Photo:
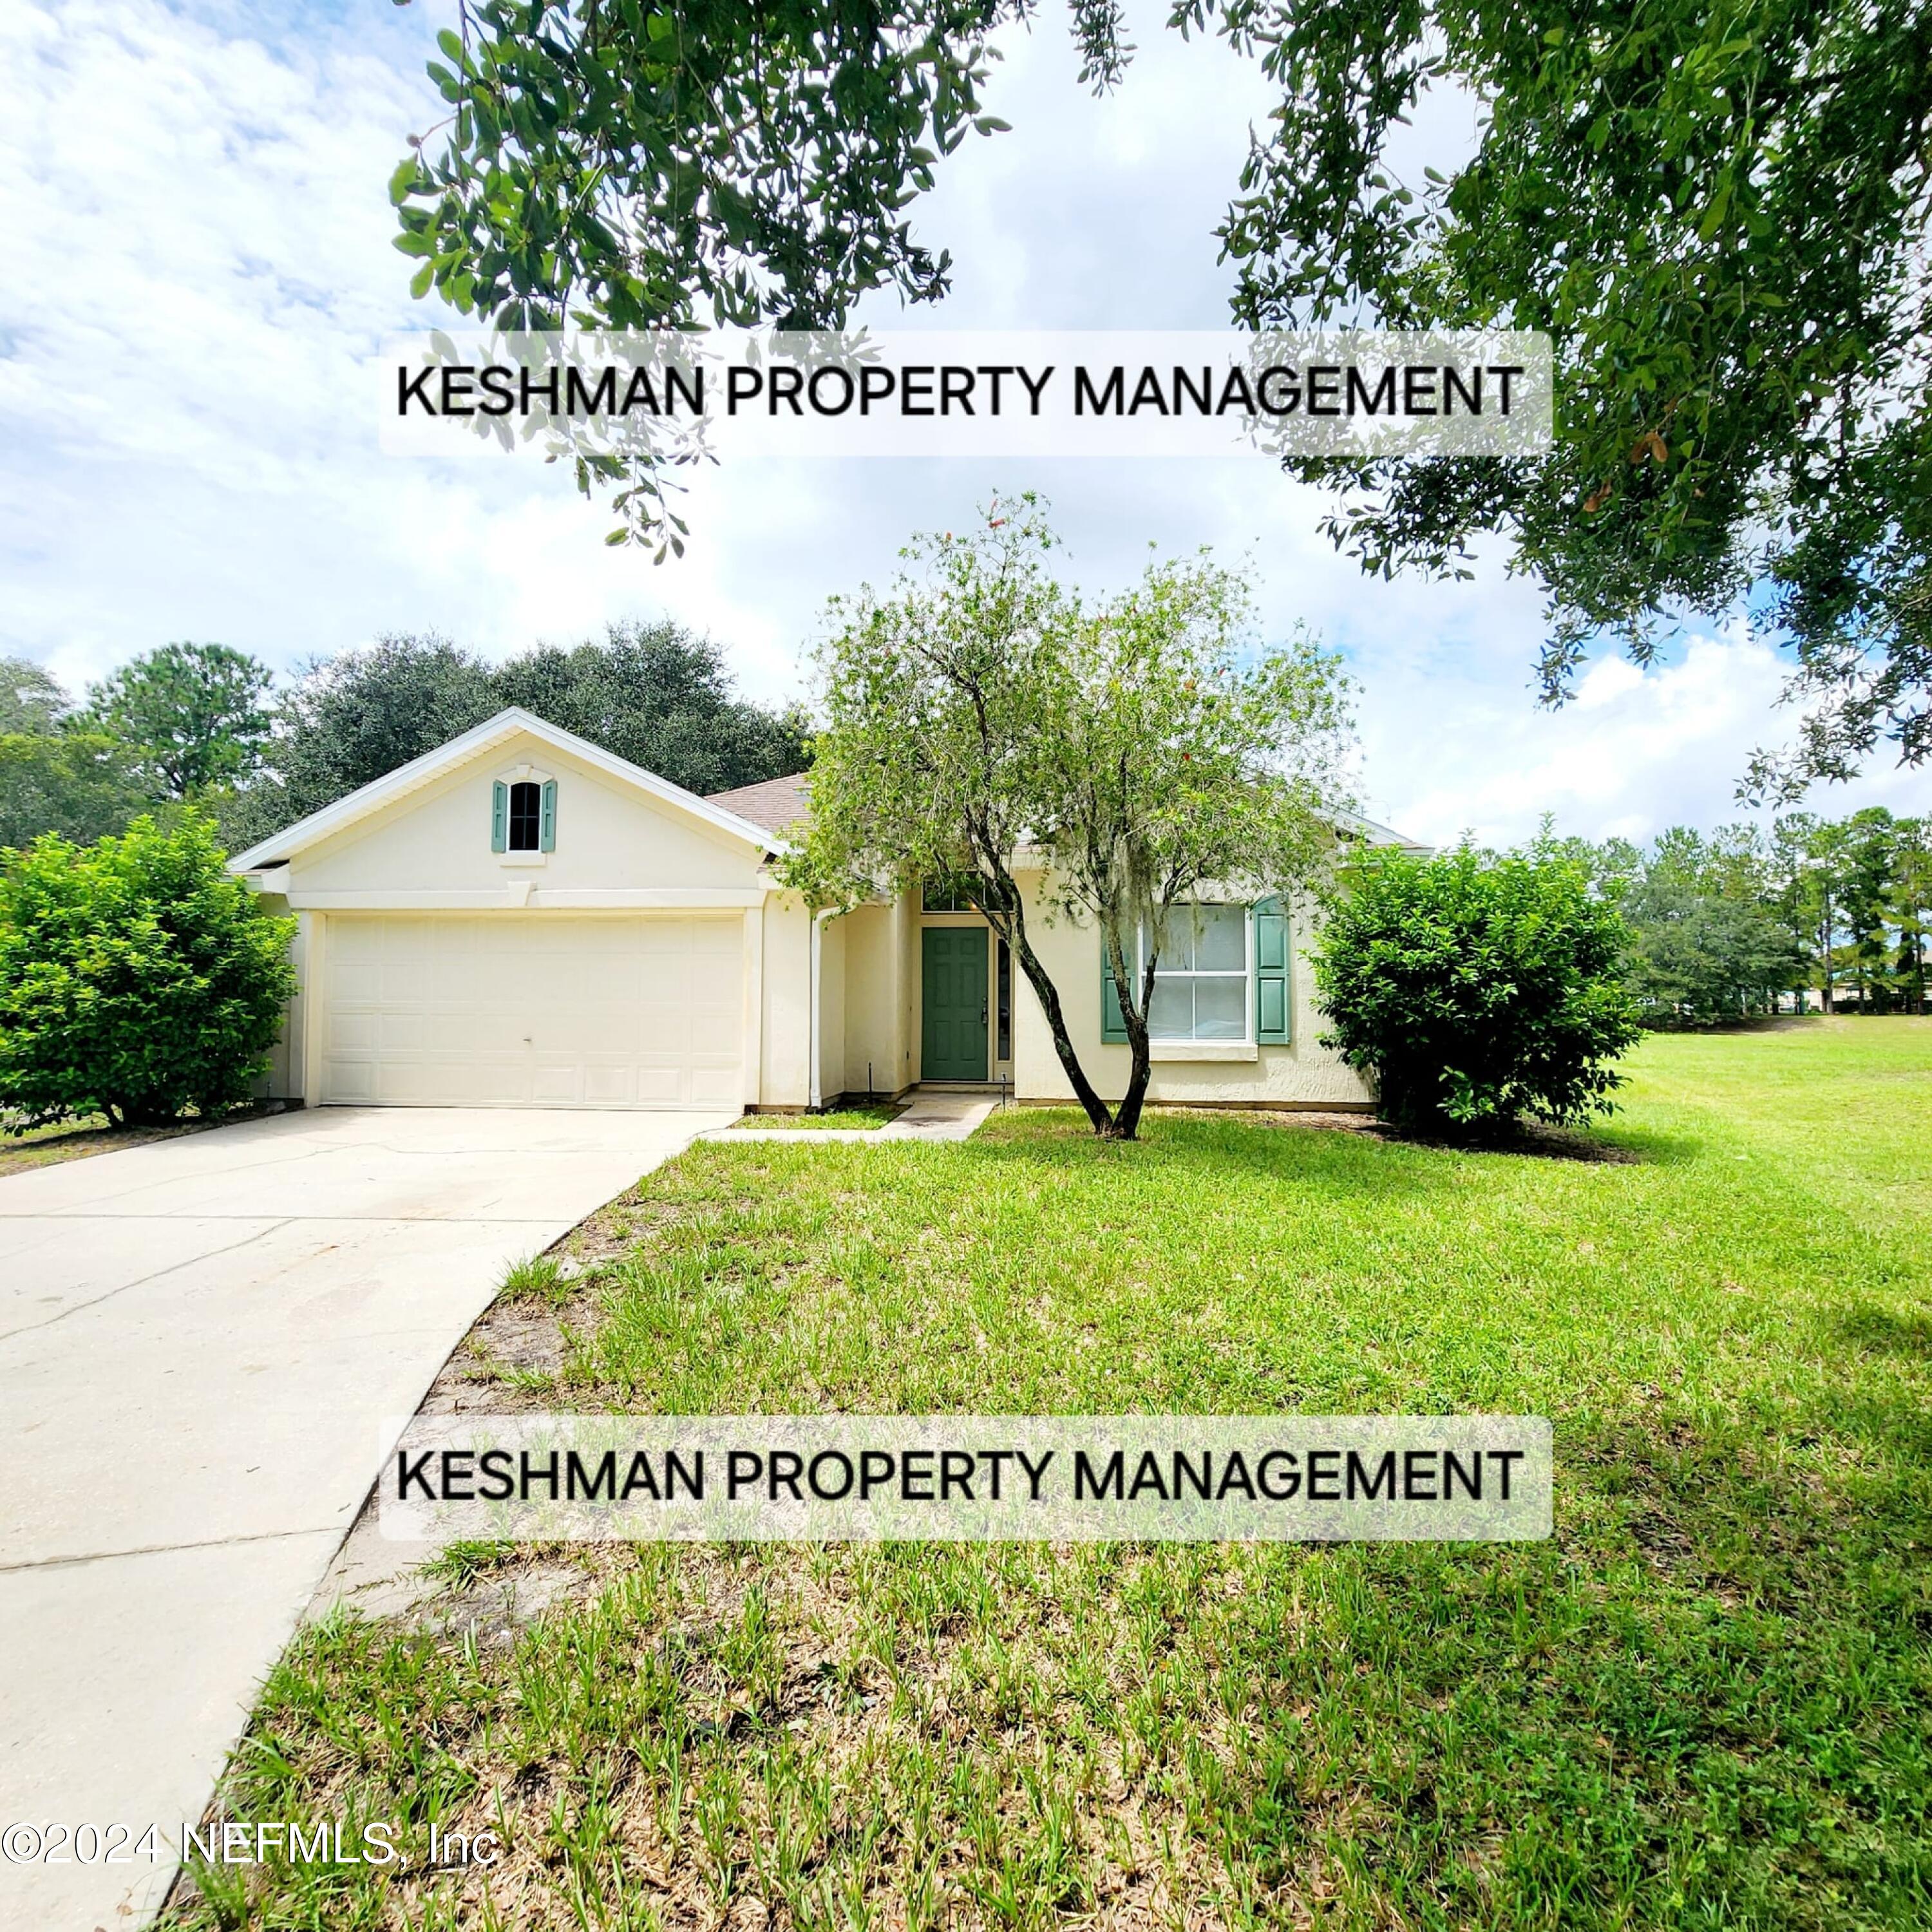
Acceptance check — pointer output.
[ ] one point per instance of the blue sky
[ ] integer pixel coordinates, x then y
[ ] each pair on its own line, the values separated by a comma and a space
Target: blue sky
200, 260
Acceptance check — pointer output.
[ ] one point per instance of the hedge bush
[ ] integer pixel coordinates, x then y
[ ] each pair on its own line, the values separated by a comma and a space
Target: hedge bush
139, 978
1474, 989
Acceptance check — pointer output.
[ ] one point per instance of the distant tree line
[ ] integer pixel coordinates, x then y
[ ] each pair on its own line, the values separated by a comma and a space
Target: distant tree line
1738, 921
203, 725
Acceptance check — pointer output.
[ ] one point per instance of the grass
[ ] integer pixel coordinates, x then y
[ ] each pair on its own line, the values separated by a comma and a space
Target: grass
860, 1118
77, 1140
71, 1140
1706, 1701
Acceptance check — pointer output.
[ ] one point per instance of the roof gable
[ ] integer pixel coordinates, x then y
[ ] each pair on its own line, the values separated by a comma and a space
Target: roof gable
367, 800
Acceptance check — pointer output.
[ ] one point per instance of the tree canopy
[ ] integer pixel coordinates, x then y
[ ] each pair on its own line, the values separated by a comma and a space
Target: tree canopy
31, 700
1724, 925
713, 161
81, 784
195, 725
1720, 215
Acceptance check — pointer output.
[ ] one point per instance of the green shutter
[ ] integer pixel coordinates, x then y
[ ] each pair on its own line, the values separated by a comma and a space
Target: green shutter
1271, 974
547, 824
1113, 1021
499, 817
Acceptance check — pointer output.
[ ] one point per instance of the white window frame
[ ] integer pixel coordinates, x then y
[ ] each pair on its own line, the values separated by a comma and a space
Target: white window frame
1246, 975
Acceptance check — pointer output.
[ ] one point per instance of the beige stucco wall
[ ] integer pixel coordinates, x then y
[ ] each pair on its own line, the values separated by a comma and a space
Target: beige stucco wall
786, 1047
876, 1056
434, 845
832, 973
1302, 1073
284, 1080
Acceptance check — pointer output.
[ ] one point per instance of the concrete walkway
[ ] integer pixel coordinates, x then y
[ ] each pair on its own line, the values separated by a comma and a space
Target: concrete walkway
200, 1342
930, 1116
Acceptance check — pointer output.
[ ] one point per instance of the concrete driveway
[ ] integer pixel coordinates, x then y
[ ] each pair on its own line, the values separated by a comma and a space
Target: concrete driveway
199, 1340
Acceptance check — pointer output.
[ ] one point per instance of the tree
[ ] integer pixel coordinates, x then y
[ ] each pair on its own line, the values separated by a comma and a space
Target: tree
1706, 943
32, 701
1909, 907
652, 693
657, 695
719, 161
353, 718
980, 720
1474, 989
80, 784
138, 978
1871, 853
192, 716
75, 782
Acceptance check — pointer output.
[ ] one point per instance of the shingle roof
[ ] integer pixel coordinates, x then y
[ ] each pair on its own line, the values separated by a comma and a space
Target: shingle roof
778, 804
775, 805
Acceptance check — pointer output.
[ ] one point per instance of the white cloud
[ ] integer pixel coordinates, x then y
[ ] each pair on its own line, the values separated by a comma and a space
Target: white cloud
1638, 749
200, 252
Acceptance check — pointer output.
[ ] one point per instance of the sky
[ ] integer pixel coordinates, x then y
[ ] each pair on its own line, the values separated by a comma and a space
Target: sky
199, 266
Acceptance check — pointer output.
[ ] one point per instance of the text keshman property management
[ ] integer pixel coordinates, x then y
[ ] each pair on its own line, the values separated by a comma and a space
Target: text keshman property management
1455, 1478
914, 393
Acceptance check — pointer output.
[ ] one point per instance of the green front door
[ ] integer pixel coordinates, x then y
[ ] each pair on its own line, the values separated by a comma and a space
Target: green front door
952, 995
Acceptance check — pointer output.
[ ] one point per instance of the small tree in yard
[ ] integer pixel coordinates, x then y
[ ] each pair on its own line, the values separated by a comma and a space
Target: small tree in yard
138, 979
1475, 989
1138, 750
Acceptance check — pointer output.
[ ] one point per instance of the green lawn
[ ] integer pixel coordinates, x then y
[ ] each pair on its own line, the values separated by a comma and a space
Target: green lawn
47, 1146
1708, 1702
862, 1116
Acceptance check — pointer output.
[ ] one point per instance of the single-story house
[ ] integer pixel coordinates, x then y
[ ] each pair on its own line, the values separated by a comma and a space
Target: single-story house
521, 919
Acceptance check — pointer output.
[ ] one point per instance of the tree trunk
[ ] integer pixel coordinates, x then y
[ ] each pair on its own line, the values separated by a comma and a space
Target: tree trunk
1048, 994
1007, 917
1140, 1046
1127, 1114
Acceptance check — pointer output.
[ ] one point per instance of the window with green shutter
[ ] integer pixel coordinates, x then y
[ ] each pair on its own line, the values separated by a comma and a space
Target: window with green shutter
547, 837
1200, 993
499, 817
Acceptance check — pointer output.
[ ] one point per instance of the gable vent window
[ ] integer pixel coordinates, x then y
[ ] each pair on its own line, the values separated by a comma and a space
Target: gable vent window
523, 816
525, 808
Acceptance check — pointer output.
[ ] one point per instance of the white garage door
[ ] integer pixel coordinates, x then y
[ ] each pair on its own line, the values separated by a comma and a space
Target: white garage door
532, 1010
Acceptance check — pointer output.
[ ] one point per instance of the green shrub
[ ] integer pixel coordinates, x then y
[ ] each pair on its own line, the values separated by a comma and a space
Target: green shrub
1475, 989
138, 978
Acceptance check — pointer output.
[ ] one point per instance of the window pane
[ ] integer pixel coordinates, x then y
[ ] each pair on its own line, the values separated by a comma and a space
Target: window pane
1221, 939
525, 799
1171, 1016
1177, 943
1221, 1009
1005, 981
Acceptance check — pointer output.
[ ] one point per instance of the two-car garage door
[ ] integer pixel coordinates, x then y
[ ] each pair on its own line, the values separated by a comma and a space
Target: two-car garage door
532, 1010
